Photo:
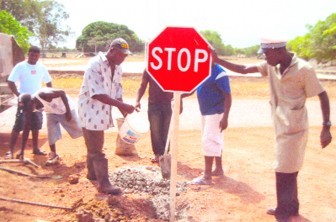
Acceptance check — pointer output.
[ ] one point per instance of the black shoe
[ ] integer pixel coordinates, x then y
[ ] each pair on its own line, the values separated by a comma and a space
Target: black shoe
39, 152
109, 189
271, 211
19, 156
91, 177
278, 216
281, 217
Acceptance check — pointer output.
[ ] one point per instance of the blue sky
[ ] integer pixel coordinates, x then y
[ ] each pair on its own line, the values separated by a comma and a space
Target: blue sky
241, 23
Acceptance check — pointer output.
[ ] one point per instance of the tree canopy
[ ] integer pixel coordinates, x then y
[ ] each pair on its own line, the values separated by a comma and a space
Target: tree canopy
10, 26
216, 41
44, 21
97, 36
43, 18
319, 42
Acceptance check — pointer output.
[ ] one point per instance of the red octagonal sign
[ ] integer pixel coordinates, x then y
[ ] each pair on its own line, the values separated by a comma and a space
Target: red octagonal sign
179, 59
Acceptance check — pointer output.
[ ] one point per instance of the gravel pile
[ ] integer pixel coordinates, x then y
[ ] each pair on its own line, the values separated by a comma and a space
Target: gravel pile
148, 179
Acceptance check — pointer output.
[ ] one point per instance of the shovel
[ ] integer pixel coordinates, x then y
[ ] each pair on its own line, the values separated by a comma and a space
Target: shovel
165, 159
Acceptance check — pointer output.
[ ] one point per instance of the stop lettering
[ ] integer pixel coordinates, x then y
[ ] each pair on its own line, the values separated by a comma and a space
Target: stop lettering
183, 58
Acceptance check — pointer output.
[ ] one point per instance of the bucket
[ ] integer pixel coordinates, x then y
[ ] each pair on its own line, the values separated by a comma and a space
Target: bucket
133, 127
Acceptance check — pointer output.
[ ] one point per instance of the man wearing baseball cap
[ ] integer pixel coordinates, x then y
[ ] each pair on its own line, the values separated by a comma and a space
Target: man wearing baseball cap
292, 80
121, 45
101, 90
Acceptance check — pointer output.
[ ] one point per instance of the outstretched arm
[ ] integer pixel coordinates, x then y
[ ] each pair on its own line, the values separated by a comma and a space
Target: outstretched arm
242, 69
325, 137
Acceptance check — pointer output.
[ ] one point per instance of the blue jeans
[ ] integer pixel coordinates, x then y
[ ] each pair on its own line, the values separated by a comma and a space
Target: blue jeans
159, 115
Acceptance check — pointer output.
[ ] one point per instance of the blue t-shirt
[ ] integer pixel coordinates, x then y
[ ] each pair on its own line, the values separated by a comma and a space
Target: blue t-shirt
210, 92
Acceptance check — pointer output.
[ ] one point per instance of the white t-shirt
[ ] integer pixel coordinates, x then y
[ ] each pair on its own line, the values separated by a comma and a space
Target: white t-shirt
29, 77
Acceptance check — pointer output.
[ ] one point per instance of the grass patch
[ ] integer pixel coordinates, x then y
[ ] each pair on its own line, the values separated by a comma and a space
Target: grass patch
67, 81
241, 87
71, 84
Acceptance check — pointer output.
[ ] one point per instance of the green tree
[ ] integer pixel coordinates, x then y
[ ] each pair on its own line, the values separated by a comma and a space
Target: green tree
23, 11
44, 18
323, 39
50, 29
301, 45
98, 35
248, 51
10, 26
214, 40
319, 42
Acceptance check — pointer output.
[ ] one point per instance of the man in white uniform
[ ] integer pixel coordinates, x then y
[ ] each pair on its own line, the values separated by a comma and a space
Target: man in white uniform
292, 80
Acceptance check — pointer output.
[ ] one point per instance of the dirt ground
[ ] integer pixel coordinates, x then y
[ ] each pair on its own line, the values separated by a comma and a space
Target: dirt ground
62, 193
243, 195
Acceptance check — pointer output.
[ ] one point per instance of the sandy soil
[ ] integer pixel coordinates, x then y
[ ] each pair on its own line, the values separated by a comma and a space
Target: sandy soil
243, 195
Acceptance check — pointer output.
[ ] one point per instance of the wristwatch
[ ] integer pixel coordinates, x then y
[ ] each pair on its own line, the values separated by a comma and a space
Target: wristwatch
327, 123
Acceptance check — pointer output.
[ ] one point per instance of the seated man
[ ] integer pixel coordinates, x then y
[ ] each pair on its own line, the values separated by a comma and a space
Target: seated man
59, 109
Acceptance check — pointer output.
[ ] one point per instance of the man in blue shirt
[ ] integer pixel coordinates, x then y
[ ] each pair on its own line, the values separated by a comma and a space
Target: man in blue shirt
214, 98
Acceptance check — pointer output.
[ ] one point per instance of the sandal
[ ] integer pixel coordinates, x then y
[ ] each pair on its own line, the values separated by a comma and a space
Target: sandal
8, 155
53, 159
201, 181
155, 159
20, 156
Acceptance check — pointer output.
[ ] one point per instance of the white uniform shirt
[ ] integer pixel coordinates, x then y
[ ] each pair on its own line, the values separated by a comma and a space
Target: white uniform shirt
93, 114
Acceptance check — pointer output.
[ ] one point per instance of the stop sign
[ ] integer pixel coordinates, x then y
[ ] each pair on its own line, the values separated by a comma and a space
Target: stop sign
179, 59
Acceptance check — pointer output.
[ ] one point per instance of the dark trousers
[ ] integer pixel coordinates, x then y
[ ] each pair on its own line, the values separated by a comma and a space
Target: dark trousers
159, 115
287, 193
94, 141
37, 120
